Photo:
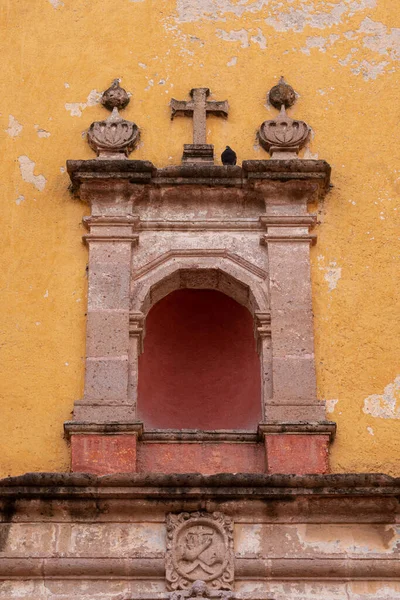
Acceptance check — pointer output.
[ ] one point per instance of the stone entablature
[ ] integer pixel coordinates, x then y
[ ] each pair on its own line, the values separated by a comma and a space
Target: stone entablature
82, 536
244, 231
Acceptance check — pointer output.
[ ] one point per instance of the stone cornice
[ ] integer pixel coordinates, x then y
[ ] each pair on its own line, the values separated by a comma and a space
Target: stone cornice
197, 486
297, 428
117, 428
251, 171
196, 436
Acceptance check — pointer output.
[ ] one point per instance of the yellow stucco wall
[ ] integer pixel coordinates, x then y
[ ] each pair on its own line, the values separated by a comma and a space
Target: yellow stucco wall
341, 56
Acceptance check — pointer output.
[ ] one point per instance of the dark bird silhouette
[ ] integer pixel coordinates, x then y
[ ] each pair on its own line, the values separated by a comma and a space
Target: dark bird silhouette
228, 156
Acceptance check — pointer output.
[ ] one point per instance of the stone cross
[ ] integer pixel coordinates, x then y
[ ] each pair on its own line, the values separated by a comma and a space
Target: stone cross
198, 108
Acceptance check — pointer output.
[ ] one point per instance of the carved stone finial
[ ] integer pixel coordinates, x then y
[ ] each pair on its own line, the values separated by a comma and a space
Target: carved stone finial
114, 137
283, 137
282, 93
115, 96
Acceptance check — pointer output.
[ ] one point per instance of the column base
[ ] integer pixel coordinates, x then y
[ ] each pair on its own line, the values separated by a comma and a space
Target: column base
198, 153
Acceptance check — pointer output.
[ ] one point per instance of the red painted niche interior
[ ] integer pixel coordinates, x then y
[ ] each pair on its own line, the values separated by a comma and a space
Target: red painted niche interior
199, 368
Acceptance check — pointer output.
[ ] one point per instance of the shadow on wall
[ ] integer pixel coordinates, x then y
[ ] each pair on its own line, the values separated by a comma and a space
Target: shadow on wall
200, 368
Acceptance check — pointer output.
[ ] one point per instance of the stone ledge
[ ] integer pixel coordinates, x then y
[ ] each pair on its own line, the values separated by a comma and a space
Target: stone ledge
196, 435
143, 171
113, 428
195, 485
133, 170
297, 428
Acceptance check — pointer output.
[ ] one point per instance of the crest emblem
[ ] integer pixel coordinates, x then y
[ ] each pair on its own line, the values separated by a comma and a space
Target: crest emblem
199, 547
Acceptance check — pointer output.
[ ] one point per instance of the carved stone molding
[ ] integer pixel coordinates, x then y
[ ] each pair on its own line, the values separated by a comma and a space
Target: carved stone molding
199, 545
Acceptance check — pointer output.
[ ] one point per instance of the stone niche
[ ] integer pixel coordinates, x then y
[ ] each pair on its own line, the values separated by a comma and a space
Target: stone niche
242, 231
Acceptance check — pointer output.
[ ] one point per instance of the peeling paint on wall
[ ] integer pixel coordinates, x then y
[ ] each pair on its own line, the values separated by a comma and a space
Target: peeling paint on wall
369, 70
343, 84
56, 3
380, 38
240, 35
386, 405
195, 10
311, 15
331, 405
27, 166
76, 108
319, 42
42, 133
332, 273
14, 127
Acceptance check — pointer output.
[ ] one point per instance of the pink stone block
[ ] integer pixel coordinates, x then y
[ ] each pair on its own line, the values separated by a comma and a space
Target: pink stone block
297, 454
103, 454
206, 458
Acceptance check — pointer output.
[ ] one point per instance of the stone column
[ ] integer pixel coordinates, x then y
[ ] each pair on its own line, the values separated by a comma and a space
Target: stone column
295, 432
104, 429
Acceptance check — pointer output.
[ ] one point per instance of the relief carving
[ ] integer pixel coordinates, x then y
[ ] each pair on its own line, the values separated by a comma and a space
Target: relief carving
200, 590
199, 548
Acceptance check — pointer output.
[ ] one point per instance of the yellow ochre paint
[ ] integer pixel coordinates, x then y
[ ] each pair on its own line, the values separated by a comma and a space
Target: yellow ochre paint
342, 58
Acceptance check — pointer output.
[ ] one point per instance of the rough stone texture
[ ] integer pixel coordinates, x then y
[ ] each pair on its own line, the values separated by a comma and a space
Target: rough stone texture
242, 231
297, 453
204, 457
102, 454
65, 536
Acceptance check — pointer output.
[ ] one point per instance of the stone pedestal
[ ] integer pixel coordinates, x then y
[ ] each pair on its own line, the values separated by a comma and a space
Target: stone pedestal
198, 153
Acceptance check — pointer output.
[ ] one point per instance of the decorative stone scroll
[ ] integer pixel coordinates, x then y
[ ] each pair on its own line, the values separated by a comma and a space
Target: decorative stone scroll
199, 547
115, 137
283, 137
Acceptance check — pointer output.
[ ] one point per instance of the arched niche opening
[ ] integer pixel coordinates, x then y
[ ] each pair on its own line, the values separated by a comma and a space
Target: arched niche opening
199, 368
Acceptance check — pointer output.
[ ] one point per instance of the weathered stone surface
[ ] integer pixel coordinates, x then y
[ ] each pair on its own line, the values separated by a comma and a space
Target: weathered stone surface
242, 231
299, 454
78, 535
199, 546
102, 454
204, 457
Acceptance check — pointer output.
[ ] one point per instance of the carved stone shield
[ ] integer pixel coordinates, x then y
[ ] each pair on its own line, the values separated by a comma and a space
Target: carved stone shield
199, 547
